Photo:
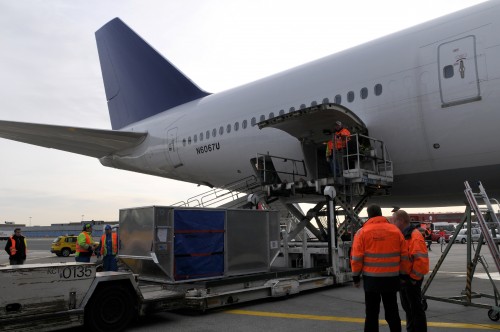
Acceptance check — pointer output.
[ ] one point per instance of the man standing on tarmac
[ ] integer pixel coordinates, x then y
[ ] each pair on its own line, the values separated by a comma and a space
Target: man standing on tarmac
16, 248
410, 293
379, 254
109, 249
85, 245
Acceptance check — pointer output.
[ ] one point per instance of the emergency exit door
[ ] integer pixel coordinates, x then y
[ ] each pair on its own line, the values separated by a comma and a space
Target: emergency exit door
458, 74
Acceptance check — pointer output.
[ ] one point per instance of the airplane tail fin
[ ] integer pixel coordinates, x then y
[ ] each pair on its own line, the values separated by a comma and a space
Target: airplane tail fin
139, 82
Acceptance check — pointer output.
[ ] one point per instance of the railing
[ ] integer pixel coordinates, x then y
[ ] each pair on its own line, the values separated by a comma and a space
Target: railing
218, 196
365, 154
270, 168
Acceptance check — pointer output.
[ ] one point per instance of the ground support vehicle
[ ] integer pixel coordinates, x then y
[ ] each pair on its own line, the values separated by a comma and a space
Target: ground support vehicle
179, 258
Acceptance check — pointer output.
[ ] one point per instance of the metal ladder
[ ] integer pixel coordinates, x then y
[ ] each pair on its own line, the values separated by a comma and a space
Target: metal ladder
480, 213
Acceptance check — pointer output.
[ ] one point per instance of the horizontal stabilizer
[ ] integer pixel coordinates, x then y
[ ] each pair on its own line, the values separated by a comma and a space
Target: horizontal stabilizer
96, 143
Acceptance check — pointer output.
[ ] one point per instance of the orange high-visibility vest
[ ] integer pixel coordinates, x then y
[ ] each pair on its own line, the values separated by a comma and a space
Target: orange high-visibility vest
341, 138
87, 241
379, 250
114, 241
418, 255
13, 249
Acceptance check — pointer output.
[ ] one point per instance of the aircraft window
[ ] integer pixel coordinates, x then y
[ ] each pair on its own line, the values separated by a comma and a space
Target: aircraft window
262, 118
236, 126
214, 132
244, 124
189, 140
326, 101
271, 115
228, 128
378, 89
184, 142
221, 130
314, 103
292, 109
302, 106
282, 112
350, 96
207, 134
364, 93
253, 121
195, 138
448, 71
201, 137
338, 99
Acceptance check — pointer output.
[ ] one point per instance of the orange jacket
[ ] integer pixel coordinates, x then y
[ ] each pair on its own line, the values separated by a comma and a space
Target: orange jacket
418, 263
114, 242
379, 250
341, 138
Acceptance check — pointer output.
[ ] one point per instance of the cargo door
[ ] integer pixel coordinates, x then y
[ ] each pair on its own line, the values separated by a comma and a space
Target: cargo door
458, 76
172, 148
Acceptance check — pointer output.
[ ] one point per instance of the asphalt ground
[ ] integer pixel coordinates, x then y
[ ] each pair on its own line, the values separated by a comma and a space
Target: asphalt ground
339, 308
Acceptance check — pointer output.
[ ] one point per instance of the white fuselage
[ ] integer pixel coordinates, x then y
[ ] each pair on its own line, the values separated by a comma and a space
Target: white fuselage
430, 124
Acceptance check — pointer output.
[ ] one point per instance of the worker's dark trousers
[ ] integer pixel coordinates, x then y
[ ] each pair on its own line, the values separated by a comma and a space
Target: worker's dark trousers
411, 301
372, 307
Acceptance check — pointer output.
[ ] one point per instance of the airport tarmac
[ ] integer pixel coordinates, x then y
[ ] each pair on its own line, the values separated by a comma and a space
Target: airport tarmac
332, 309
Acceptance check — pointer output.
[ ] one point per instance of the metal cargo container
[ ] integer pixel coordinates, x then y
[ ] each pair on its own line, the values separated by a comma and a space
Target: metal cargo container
176, 244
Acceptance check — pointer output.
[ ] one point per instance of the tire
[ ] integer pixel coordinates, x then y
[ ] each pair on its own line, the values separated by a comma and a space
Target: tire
65, 252
493, 315
463, 241
111, 309
58, 254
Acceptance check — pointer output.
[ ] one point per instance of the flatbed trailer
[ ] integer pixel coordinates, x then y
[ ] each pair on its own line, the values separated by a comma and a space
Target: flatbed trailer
159, 251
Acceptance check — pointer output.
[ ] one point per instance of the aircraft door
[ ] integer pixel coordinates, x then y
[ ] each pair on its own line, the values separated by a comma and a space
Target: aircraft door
172, 151
458, 75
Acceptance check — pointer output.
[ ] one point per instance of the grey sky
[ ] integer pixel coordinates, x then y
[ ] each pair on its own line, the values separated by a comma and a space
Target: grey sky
50, 74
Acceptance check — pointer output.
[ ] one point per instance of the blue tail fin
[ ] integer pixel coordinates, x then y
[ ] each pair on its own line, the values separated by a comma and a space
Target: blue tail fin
139, 82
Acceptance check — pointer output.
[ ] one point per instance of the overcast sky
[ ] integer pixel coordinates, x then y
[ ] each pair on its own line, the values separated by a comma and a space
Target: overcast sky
49, 73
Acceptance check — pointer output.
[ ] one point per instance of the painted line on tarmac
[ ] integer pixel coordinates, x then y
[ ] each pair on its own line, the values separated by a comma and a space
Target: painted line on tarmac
359, 320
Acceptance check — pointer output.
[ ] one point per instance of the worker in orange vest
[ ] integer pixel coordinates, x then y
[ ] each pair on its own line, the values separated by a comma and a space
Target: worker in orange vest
411, 293
109, 249
85, 245
336, 147
16, 248
379, 253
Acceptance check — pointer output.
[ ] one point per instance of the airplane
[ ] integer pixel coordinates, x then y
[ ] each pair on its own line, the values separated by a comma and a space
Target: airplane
430, 93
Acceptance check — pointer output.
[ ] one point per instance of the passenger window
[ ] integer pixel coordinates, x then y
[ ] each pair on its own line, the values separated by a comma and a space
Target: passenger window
314, 103
364, 93
189, 140
326, 101
448, 71
236, 126
338, 99
244, 124
302, 106
195, 138
201, 137
253, 122
350, 96
207, 134
214, 132
228, 128
282, 112
184, 142
292, 109
221, 130
262, 118
271, 115
378, 89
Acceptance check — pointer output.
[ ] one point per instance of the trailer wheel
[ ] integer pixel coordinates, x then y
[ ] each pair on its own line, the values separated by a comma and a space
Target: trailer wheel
110, 309
65, 252
493, 315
